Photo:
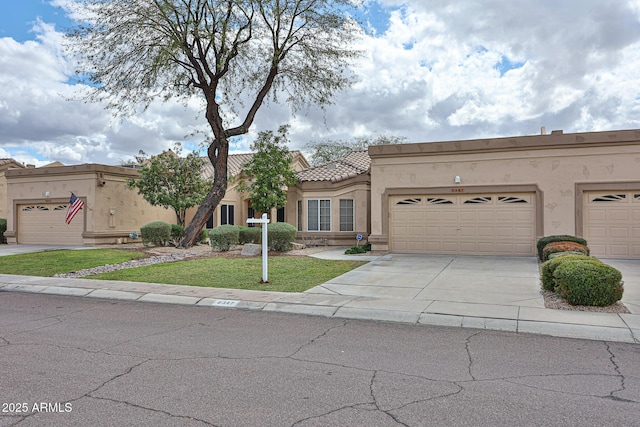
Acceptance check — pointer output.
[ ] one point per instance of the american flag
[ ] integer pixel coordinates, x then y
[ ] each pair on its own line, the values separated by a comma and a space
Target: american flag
75, 204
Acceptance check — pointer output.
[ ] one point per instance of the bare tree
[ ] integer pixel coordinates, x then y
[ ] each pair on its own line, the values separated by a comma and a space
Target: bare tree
224, 51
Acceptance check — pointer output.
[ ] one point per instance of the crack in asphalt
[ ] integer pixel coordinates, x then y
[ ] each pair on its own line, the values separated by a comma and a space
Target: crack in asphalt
159, 411
616, 368
467, 345
313, 340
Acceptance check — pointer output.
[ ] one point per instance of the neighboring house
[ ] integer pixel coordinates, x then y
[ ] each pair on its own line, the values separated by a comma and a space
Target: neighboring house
331, 202
235, 208
38, 199
497, 196
6, 164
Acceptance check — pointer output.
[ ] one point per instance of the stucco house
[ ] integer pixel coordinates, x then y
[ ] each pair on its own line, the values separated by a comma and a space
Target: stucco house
492, 196
5, 165
331, 202
37, 200
236, 206
497, 196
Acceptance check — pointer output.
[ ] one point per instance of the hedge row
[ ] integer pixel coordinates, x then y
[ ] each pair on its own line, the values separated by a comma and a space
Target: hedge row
280, 236
160, 233
572, 274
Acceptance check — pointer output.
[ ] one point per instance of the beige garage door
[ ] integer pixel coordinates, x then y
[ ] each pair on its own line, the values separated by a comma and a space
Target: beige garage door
44, 224
612, 223
476, 224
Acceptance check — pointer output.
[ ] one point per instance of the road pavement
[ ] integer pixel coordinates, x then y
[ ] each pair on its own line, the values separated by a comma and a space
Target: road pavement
69, 361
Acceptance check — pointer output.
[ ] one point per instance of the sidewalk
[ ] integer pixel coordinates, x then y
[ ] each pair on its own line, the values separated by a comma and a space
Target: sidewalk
376, 296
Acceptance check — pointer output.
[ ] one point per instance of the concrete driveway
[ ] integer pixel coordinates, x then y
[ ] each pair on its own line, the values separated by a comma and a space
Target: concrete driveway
502, 287
446, 284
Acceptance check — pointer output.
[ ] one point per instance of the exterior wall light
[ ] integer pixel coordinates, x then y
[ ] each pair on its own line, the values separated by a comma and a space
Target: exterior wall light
457, 179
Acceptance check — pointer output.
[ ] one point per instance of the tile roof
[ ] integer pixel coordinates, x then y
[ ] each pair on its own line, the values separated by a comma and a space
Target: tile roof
235, 164
10, 163
351, 165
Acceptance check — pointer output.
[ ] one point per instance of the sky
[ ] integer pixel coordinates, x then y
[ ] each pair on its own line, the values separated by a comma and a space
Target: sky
432, 70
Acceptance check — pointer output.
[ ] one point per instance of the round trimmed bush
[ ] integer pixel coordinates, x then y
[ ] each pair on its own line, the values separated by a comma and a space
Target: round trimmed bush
549, 267
555, 247
280, 236
223, 237
544, 241
157, 233
583, 282
176, 233
250, 234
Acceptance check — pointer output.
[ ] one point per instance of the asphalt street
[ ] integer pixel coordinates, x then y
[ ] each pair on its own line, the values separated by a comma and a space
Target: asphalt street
70, 361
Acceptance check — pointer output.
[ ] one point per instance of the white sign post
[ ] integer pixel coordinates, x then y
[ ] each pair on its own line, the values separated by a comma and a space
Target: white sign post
265, 248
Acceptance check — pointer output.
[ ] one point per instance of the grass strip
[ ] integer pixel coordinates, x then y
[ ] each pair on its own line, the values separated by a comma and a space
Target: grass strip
49, 263
286, 273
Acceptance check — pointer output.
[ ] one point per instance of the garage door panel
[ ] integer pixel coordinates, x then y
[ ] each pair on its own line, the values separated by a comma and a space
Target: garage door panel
45, 224
612, 223
471, 224
618, 215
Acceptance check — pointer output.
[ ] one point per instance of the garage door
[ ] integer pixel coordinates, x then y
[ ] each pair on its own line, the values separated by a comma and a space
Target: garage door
477, 224
612, 223
44, 224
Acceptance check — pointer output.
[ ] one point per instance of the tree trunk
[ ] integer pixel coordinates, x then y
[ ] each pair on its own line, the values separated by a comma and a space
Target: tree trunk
218, 153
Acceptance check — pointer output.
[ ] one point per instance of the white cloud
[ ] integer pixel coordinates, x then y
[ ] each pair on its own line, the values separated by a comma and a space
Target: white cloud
440, 71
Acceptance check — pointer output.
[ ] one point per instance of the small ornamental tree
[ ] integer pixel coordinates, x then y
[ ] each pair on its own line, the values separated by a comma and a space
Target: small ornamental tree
269, 171
171, 181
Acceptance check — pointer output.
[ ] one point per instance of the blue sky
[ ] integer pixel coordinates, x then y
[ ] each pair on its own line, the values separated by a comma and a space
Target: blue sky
430, 72
19, 16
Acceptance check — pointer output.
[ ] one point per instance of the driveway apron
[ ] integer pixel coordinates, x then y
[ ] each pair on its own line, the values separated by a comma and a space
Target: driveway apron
444, 280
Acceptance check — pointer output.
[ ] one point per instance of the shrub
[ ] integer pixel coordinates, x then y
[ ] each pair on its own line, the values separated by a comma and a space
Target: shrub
549, 267
250, 234
202, 237
559, 254
367, 246
157, 233
355, 250
280, 236
544, 241
3, 228
176, 233
555, 247
224, 237
583, 282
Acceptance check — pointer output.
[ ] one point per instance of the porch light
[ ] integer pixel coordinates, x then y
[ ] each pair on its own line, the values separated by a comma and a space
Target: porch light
457, 179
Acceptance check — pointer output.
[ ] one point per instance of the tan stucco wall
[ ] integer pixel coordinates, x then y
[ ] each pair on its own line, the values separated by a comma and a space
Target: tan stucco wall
112, 211
554, 164
357, 188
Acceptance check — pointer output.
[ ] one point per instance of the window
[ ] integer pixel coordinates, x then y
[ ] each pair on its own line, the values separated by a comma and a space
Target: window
319, 215
299, 215
346, 214
226, 215
280, 215
251, 213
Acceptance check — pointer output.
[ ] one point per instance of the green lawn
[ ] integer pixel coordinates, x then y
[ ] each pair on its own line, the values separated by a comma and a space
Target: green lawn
49, 263
286, 273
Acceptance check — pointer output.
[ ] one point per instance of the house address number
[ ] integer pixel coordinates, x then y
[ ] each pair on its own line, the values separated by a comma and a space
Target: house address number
457, 190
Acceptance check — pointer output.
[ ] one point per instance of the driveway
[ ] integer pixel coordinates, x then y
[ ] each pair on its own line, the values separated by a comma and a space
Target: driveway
444, 282
456, 284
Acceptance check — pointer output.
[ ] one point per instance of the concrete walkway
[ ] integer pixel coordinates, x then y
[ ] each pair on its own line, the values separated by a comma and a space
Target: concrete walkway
498, 293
